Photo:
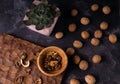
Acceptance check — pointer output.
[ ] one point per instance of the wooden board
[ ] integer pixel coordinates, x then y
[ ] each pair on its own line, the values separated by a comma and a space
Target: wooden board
10, 50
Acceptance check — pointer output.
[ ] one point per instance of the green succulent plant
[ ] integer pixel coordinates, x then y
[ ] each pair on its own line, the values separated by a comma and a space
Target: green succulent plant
42, 15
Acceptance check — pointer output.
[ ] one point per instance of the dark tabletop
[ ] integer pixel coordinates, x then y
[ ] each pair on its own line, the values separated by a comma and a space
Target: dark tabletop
108, 71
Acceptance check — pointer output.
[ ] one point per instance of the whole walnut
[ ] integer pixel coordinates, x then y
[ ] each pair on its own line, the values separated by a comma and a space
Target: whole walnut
90, 79
74, 81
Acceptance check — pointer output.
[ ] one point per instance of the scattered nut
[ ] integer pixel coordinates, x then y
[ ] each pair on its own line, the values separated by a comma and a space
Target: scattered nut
106, 10
59, 35
95, 41
39, 81
94, 7
28, 70
84, 20
112, 38
74, 81
72, 27
77, 44
85, 35
104, 25
17, 63
76, 59
96, 58
70, 51
90, 79
74, 12
19, 80
25, 64
83, 65
23, 55
98, 34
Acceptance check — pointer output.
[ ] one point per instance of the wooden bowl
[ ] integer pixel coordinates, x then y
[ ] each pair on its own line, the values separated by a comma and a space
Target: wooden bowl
42, 55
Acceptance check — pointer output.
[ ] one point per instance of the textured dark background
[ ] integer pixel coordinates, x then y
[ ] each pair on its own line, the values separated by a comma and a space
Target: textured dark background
108, 71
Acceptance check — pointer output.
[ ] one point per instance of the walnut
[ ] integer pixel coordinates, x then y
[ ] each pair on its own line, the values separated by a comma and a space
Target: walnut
106, 10
112, 38
25, 63
39, 81
19, 80
17, 63
74, 81
23, 55
70, 51
98, 34
28, 70
72, 27
77, 44
59, 35
83, 65
90, 79
104, 25
84, 20
94, 7
76, 59
95, 41
74, 12
96, 58
85, 35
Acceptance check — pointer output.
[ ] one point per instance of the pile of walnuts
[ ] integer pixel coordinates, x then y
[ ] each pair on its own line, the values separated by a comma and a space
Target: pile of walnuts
85, 35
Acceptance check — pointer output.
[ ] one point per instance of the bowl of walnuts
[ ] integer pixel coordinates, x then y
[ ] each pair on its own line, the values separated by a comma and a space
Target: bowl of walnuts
52, 61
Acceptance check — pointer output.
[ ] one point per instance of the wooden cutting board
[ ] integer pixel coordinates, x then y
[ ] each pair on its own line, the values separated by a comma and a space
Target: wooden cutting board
10, 50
